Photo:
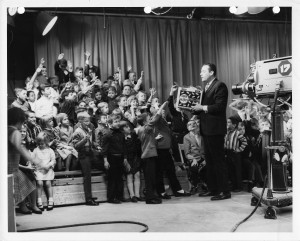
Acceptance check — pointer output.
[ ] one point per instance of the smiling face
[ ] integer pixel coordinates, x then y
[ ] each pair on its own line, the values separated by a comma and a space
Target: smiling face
206, 74
98, 95
126, 90
31, 118
192, 126
122, 102
142, 97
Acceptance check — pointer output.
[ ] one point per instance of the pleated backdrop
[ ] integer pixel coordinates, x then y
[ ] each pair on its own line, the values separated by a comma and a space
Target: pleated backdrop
167, 50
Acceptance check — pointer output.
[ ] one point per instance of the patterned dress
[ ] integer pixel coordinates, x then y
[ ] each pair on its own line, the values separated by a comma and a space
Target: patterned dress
22, 185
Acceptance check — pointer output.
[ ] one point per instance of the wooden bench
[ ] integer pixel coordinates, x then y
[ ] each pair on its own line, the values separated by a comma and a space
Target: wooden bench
68, 186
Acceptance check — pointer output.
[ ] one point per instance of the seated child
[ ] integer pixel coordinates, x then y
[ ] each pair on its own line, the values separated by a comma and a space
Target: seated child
65, 147
194, 152
112, 100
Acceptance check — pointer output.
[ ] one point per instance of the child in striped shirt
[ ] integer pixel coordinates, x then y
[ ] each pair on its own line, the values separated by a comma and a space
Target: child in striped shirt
234, 144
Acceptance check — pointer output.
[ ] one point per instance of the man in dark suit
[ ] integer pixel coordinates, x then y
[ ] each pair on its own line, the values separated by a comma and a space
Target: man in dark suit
212, 114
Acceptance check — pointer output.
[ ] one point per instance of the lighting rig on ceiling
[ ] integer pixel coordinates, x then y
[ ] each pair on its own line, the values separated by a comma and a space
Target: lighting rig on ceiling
156, 10
251, 10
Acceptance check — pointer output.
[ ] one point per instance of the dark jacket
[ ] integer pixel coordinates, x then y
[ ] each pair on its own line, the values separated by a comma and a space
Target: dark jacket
214, 121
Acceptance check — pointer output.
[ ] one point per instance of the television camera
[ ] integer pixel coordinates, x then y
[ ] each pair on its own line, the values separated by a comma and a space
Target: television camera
271, 78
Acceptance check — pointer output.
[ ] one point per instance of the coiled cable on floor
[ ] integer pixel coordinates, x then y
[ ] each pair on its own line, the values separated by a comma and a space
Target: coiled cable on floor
86, 224
245, 219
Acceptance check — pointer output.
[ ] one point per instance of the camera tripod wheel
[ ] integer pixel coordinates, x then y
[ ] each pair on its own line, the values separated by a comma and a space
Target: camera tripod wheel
270, 213
254, 202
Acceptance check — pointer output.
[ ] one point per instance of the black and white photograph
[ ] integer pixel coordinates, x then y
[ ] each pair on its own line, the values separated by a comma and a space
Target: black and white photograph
124, 118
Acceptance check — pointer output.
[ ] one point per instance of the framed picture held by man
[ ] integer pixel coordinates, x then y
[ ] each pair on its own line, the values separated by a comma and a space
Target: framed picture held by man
187, 97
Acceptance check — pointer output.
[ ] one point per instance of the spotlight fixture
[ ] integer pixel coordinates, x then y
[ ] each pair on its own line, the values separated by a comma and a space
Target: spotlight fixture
233, 9
276, 9
147, 10
256, 10
21, 10
45, 22
12, 11
241, 10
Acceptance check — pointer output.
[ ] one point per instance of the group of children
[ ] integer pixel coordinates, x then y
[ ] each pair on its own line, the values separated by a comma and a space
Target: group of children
77, 119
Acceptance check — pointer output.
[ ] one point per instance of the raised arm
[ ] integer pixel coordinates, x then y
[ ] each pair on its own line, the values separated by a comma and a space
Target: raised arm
37, 71
139, 82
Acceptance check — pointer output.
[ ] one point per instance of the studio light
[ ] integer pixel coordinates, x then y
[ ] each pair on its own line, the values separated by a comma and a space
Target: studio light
45, 22
21, 10
276, 9
147, 10
256, 10
241, 10
12, 11
233, 9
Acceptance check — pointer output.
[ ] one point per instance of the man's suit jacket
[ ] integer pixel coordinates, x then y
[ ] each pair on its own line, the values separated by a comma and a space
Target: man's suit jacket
192, 149
214, 121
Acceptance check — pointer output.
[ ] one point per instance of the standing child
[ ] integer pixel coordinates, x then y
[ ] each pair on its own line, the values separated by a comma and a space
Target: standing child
145, 132
45, 158
234, 144
133, 147
83, 141
115, 157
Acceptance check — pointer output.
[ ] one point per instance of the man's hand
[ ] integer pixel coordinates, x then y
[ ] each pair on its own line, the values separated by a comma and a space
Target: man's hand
173, 89
194, 163
197, 107
60, 56
129, 68
106, 164
158, 137
42, 61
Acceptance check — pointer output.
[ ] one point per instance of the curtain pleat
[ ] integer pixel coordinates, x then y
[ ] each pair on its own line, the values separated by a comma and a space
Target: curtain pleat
167, 50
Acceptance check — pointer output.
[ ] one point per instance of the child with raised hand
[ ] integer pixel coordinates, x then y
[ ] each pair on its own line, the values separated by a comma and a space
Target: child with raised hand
44, 164
146, 134
65, 147
133, 146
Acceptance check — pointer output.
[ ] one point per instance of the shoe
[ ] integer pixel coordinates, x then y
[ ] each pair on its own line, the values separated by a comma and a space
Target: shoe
134, 199
221, 197
40, 207
140, 199
24, 212
165, 196
207, 194
91, 202
124, 200
114, 201
193, 190
36, 211
50, 206
153, 201
94, 198
184, 194
237, 190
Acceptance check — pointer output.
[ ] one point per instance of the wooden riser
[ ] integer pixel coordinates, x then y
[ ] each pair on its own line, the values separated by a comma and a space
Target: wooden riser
70, 190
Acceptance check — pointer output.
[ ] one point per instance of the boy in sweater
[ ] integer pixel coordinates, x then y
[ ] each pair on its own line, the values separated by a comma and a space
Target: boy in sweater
234, 144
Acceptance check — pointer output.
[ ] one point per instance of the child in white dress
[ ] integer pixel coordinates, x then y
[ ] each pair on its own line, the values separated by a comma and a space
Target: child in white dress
45, 157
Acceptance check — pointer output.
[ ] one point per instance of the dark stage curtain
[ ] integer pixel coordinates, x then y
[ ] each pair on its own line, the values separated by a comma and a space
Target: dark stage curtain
168, 50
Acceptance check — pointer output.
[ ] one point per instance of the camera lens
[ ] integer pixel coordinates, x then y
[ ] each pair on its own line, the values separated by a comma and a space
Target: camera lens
237, 89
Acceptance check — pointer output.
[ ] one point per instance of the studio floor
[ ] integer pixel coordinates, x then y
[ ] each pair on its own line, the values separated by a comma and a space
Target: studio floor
180, 214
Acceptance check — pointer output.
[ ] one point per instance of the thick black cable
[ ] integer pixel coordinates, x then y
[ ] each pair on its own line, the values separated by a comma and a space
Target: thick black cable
86, 224
257, 205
